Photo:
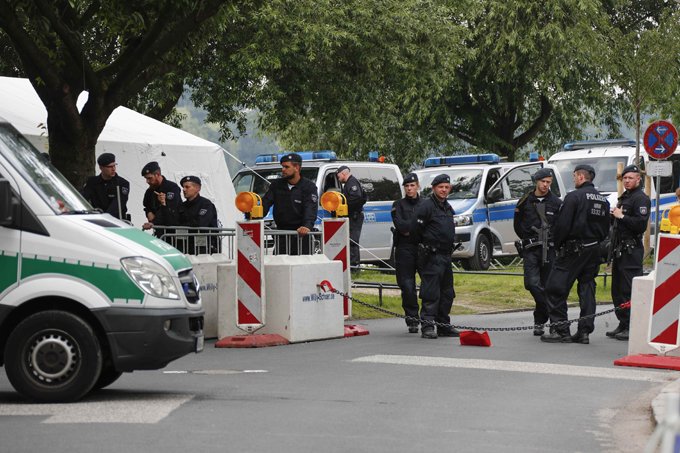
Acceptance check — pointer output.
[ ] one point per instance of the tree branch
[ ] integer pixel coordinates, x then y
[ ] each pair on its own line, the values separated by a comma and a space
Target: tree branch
537, 126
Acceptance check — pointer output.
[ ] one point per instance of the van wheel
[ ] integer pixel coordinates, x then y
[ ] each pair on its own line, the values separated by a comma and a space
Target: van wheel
53, 356
108, 376
481, 260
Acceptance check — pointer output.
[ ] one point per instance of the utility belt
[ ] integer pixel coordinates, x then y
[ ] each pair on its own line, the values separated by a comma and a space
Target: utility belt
626, 246
434, 250
574, 247
534, 242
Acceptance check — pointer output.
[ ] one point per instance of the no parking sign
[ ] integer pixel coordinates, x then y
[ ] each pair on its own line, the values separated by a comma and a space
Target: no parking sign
660, 140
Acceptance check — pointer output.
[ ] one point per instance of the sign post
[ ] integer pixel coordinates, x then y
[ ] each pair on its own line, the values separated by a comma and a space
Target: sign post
660, 141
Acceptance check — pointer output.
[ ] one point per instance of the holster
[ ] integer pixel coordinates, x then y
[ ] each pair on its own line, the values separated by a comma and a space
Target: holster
520, 248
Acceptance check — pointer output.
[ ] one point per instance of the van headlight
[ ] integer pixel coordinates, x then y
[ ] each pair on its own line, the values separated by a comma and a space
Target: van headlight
150, 277
462, 220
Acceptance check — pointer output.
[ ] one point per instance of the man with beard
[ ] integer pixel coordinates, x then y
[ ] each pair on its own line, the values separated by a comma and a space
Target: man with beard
296, 201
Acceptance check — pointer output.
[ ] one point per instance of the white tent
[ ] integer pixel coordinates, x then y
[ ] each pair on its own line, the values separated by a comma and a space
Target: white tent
135, 139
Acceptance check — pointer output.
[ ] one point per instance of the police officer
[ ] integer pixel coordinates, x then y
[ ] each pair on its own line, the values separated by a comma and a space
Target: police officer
406, 249
535, 215
161, 201
630, 217
108, 191
296, 201
436, 232
356, 198
582, 223
197, 211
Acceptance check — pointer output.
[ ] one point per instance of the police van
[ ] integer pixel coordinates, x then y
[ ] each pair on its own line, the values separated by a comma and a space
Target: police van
604, 156
381, 182
484, 193
84, 297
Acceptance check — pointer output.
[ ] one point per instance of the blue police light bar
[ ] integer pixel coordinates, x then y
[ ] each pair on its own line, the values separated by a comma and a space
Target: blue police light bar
306, 155
373, 156
585, 144
462, 160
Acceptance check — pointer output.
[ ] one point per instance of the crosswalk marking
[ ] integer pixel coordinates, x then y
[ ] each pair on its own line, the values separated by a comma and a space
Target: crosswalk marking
138, 409
524, 367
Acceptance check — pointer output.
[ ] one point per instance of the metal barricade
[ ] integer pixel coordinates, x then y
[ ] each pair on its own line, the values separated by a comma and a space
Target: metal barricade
198, 240
286, 242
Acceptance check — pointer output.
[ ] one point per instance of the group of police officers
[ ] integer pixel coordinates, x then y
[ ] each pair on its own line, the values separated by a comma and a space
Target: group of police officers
561, 241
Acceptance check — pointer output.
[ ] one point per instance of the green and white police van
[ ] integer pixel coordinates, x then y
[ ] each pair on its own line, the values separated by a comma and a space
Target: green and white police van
84, 297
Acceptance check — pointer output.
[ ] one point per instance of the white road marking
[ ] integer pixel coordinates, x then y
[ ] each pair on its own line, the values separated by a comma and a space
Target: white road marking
624, 373
139, 409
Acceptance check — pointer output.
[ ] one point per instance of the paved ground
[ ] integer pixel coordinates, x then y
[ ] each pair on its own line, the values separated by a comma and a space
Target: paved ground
389, 391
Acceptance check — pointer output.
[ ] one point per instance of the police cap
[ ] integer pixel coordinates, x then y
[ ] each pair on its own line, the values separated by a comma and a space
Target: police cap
542, 173
106, 159
631, 169
587, 168
291, 157
411, 177
194, 179
342, 168
440, 179
151, 167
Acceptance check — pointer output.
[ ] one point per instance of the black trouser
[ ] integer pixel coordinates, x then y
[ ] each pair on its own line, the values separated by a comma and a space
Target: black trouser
535, 277
583, 266
624, 269
436, 287
406, 261
356, 221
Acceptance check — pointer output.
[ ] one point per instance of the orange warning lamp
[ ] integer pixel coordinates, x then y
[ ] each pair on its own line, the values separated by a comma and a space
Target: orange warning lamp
250, 204
335, 203
674, 216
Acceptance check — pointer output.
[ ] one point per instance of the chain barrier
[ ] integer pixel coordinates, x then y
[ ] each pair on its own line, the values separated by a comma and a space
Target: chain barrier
326, 286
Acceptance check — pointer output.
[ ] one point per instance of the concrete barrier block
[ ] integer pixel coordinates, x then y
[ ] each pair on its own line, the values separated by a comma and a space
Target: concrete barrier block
205, 269
226, 301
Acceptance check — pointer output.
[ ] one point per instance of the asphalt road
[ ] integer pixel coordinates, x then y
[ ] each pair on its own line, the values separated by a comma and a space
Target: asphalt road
389, 391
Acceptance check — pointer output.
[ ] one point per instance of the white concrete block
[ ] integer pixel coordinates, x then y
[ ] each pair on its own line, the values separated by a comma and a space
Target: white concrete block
205, 268
226, 301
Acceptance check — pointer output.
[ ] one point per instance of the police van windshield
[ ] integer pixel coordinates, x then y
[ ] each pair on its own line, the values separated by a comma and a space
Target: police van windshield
605, 171
465, 182
250, 181
35, 168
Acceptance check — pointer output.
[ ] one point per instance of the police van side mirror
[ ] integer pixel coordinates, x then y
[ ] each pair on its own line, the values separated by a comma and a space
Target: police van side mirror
494, 195
5, 203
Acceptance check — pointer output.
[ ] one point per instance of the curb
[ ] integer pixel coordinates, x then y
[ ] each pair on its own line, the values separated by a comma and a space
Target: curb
659, 402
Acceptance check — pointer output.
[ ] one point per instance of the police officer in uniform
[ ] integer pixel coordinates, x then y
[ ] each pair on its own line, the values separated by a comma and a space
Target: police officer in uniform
161, 201
436, 232
406, 249
356, 198
582, 223
197, 211
630, 218
296, 201
535, 215
108, 191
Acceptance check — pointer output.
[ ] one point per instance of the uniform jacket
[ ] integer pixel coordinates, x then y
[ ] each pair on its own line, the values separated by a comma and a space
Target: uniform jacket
168, 214
435, 224
526, 215
293, 207
103, 194
355, 195
584, 216
199, 212
403, 217
635, 205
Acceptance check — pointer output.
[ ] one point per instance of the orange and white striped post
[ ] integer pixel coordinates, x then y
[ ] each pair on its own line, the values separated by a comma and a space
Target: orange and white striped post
250, 288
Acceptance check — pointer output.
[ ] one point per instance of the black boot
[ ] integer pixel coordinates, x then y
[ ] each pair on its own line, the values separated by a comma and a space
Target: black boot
413, 328
428, 332
556, 337
623, 335
538, 330
612, 333
580, 337
448, 332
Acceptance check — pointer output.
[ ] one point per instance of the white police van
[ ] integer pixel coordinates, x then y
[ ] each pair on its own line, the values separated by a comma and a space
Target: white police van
603, 156
84, 297
484, 193
381, 181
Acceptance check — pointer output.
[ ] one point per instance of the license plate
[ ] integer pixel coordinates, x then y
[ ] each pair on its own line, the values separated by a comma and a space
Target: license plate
199, 343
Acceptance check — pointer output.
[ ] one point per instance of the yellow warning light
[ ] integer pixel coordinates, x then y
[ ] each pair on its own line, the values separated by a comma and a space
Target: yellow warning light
335, 203
674, 215
250, 204
670, 220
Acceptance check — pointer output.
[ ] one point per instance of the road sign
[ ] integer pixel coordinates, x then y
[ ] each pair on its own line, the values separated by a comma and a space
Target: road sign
660, 140
660, 168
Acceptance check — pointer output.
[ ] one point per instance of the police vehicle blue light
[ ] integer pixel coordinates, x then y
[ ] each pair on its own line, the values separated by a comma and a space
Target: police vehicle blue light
462, 160
305, 155
585, 144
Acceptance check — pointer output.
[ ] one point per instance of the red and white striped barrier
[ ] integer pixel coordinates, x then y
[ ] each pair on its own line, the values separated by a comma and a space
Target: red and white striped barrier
665, 314
250, 294
336, 248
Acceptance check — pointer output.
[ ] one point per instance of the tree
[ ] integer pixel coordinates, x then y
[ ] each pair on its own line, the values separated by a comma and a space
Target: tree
116, 50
